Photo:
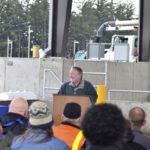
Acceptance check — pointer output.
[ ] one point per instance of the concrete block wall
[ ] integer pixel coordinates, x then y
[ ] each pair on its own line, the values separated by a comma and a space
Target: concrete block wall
129, 76
19, 74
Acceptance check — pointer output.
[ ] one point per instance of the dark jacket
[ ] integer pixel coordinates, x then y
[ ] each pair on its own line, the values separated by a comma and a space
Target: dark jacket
119, 146
115, 146
85, 88
129, 137
14, 123
142, 139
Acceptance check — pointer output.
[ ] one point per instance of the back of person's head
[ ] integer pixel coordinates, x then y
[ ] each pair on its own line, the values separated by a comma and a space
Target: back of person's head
19, 106
40, 116
72, 112
103, 124
137, 117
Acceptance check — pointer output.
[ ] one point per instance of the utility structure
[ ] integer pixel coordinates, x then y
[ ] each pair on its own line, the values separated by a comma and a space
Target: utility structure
117, 25
60, 15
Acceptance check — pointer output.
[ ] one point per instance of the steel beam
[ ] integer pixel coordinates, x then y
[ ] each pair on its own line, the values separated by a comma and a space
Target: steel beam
61, 19
144, 31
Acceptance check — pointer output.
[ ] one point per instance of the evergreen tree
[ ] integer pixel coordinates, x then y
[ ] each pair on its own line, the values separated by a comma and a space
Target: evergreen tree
12, 21
39, 22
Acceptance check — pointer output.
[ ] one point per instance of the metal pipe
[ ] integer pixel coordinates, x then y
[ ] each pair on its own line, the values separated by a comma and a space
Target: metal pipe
129, 91
95, 73
126, 23
106, 68
54, 74
115, 23
103, 27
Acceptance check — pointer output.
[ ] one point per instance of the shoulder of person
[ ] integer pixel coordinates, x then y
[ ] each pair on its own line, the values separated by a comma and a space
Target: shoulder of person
87, 82
60, 143
65, 83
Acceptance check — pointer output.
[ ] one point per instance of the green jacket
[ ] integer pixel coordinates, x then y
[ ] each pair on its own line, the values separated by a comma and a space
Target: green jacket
85, 88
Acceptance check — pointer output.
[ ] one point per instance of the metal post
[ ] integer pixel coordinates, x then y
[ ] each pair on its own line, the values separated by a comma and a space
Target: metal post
10, 41
29, 32
9, 47
74, 47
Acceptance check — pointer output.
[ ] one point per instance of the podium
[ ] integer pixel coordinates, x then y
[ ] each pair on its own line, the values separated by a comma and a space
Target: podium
59, 102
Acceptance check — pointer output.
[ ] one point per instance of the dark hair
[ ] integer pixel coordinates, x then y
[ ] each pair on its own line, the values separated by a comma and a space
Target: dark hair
72, 110
78, 69
103, 124
137, 116
34, 139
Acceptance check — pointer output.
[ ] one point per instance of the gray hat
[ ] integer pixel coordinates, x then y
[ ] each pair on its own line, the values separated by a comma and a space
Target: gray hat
39, 115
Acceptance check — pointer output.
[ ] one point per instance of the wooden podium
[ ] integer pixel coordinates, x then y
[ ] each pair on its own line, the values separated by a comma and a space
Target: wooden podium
59, 102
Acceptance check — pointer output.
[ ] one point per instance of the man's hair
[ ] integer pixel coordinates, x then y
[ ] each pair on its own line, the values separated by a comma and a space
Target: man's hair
137, 116
103, 124
72, 110
80, 71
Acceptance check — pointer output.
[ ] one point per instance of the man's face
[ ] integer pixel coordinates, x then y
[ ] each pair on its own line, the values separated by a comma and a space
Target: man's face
74, 76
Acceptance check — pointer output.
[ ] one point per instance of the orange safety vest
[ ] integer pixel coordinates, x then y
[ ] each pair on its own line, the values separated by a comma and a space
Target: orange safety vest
71, 135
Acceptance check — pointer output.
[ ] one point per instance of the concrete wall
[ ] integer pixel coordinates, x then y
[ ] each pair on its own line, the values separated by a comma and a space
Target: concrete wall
125, 106
28, 74
19, 74
2, 75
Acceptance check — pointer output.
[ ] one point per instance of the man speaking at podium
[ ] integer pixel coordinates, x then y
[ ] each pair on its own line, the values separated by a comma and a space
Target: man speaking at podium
78, 86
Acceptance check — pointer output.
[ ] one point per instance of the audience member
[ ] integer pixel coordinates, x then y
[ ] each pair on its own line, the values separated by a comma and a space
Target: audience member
137, 118
129, 137
78, 86
39, 136
16, 120
69, 130
104, 126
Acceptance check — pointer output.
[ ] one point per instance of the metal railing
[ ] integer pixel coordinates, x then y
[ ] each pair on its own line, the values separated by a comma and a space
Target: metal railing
98, 73
124, 91
44, 81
